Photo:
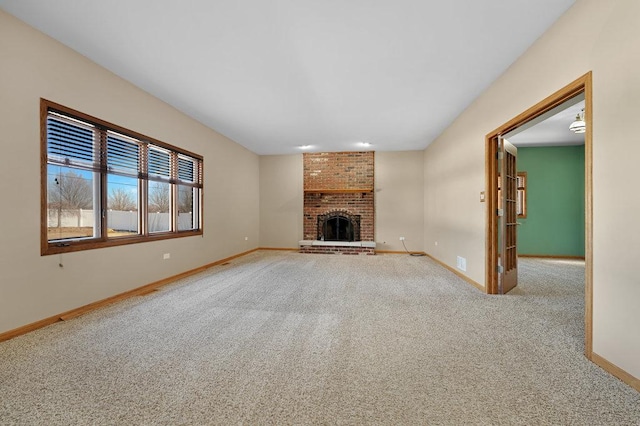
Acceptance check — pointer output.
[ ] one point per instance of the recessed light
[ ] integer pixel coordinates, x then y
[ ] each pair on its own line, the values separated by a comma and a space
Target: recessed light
304, 146
365, 144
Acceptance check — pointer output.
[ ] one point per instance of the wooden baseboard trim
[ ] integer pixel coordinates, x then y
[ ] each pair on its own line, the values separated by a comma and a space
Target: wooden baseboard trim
616, 371
553, 256
140, 291
376, 251
29, 327
400, 252
152, 290
461, 275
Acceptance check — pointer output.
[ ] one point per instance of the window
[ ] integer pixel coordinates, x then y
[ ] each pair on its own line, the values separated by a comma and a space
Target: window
521, 194
104, 185
521, 201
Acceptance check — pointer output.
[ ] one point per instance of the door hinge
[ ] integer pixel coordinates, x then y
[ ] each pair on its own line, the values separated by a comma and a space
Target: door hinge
500, 212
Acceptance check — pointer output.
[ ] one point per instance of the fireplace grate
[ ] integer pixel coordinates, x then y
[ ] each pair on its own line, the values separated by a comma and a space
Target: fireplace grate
338, 226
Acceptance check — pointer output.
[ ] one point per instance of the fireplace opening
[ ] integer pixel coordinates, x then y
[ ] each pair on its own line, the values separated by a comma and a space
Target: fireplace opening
338, 226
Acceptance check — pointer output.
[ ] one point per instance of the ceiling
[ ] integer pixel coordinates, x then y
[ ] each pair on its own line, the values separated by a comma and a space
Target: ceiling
276, 74
551, 128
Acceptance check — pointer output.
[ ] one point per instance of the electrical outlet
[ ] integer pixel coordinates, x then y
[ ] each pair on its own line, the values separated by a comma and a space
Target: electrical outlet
436, 243
461, 263
166, 256
401, 238
246, 238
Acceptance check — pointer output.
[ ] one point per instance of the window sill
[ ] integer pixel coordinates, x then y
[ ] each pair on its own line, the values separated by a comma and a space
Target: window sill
73, 246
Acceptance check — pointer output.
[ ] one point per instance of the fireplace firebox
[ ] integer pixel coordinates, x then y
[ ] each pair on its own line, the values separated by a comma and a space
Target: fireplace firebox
339, 226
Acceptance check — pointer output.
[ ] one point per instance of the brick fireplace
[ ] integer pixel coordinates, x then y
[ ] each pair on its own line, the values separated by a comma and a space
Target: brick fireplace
338, 203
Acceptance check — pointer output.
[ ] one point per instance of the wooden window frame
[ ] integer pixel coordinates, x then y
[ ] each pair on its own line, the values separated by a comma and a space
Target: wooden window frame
49, 247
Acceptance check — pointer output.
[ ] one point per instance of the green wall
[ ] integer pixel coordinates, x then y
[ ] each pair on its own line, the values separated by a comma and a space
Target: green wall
555, 201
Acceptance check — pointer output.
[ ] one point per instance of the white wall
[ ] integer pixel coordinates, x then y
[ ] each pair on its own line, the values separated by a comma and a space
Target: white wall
399, 200
281, 201
602, 36
34, 287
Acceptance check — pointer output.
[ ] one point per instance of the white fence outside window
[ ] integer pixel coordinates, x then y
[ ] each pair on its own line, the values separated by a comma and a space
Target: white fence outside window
116, 220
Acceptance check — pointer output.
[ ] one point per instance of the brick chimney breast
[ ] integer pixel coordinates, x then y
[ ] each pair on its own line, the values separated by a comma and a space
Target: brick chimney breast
339, 182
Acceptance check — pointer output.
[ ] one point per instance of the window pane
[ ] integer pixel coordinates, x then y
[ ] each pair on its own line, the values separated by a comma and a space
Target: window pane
71, 197
520, 203
522, 195
159, 207
122, 205
188, 211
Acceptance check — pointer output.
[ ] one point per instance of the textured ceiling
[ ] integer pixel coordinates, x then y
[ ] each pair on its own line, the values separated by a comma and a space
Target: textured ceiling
276, 74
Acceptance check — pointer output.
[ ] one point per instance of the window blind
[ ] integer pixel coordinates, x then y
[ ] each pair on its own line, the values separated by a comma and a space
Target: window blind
159, 163
71, 143
123, 155
186, 169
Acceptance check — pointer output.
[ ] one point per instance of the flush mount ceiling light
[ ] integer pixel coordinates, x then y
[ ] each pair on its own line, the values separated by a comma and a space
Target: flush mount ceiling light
304, 146
365, 143
579, 126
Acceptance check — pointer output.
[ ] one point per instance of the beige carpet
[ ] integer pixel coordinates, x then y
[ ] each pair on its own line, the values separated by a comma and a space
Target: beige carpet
288, 338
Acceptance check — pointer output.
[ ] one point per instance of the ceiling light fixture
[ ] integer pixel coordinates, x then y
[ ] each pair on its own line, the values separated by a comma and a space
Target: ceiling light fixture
365, 143
304, 146
579, 126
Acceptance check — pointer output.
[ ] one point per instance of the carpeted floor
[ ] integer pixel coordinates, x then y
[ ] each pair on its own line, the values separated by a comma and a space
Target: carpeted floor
288, 338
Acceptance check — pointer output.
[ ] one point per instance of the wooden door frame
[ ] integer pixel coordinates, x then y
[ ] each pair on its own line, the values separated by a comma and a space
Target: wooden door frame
581, 85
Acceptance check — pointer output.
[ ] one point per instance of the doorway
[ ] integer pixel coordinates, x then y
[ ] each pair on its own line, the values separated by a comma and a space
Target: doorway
582, 85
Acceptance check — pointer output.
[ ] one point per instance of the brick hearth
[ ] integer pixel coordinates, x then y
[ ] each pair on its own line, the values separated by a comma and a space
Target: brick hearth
337, 247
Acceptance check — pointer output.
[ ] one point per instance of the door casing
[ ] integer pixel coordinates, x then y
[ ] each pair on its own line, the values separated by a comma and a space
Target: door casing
580, 85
